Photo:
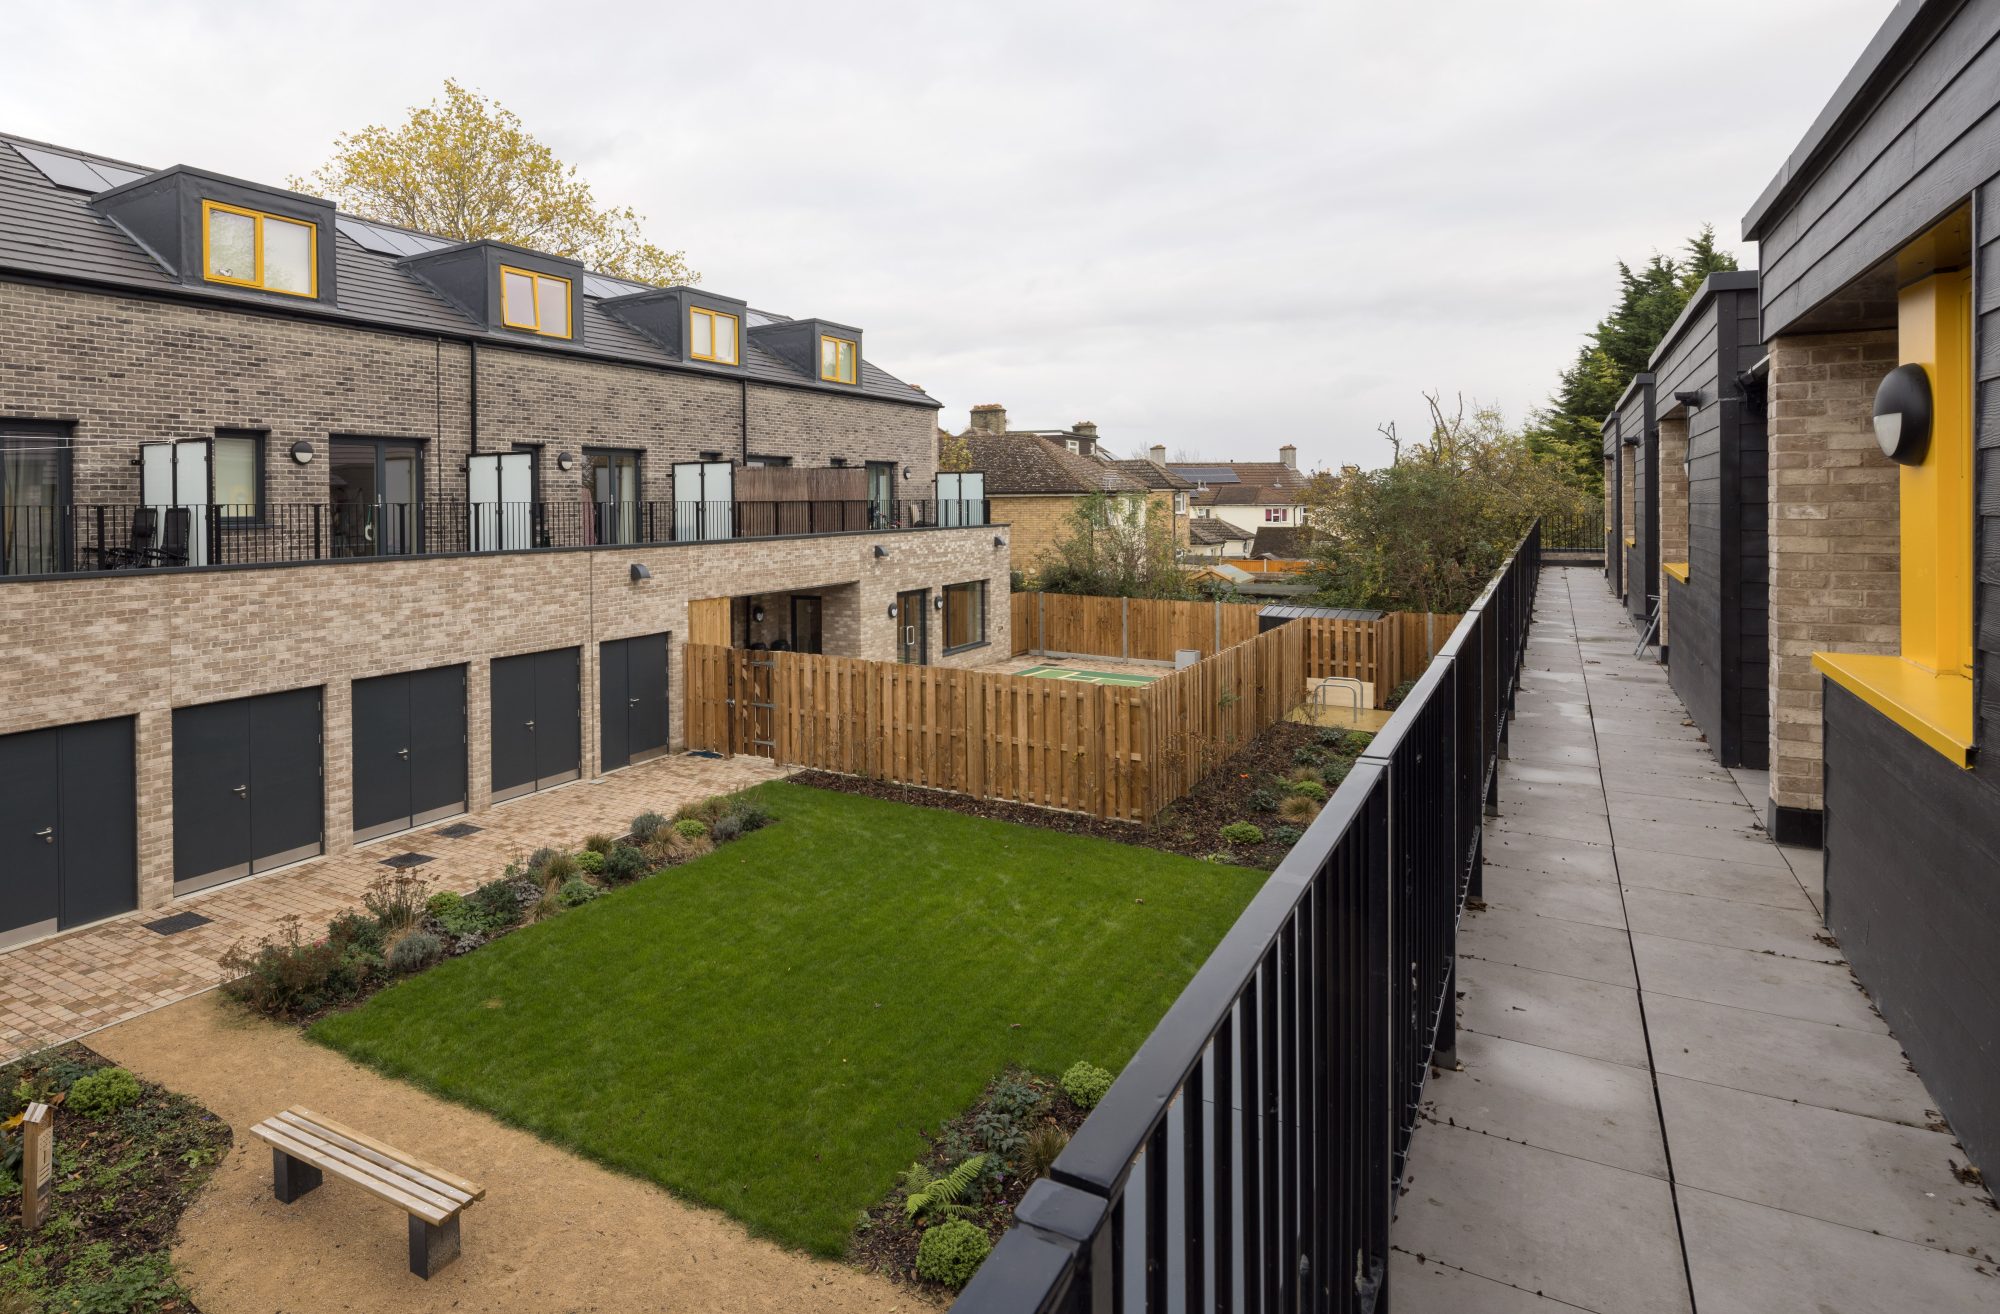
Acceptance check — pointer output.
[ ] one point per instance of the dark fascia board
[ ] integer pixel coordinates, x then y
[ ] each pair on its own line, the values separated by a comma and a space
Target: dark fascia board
210, 176
1726, 280
1903, 35
1639, 381
161, 212
661, 314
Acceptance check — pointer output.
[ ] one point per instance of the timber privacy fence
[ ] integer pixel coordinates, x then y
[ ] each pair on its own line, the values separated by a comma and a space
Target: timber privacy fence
1249, 1155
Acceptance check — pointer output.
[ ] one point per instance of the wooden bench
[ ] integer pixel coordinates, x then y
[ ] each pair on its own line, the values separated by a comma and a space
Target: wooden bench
304, 1145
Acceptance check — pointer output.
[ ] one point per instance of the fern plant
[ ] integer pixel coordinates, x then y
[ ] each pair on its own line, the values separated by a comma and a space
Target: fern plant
938, 1194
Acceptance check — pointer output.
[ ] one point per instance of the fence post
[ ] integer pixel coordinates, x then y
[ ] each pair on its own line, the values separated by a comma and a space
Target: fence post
1041, 624
1217, 604
1125, 627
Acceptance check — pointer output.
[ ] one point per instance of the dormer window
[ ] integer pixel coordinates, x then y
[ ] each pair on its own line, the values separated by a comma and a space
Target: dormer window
839, 361
712, 336
536, 303
248, 248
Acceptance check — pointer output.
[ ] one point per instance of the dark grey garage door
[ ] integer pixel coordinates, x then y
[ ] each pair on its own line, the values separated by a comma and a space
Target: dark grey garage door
247, 787
632, 699
537, 721
68, 831
409, 750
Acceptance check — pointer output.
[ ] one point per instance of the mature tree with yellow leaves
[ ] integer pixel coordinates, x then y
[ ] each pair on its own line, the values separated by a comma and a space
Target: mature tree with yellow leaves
465, 168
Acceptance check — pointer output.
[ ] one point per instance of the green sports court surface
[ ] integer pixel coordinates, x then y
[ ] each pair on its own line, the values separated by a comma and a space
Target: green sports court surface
1088, 677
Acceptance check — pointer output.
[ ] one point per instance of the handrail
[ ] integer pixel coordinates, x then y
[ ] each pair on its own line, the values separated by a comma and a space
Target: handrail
1253, 1145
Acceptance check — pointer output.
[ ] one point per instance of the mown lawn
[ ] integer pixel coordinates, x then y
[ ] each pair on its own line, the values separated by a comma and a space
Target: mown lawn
772, 1028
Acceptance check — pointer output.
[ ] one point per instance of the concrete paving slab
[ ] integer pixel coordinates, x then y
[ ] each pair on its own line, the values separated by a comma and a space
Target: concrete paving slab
1718, 880
1515, 791
1547, 944
1538, 817
1549, 773
1757, 927
1744, 846
1545, 853
1854, 1071
1572, 898
1769, 983
1839, 1167
1425, 1286
1569, 1013
1626, 779
1573, 1105
1716, 814
1599, 1237
1751, 1259
1554, 754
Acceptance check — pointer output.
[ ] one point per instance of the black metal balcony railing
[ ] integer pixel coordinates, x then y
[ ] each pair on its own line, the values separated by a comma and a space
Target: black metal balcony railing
1582, 532
45, 540
1249, 1155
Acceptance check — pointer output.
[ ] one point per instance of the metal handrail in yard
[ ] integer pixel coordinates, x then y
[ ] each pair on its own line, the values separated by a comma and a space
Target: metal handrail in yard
1249, 1156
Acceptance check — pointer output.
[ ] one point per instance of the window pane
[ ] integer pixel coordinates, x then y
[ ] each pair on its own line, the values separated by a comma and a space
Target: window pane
235, 475
829, 358
701, 334
725, 339
517, 300
288, 256
847, 362
552, 296
232, 246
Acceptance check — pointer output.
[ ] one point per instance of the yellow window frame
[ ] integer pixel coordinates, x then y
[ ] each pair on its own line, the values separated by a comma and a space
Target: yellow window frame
1675, 570
843, 348
535, 282
208, 274
735, 334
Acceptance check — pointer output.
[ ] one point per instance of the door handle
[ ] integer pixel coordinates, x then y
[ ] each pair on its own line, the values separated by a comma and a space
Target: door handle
529, 724
47, 834
633, 701
241, 791
403, 753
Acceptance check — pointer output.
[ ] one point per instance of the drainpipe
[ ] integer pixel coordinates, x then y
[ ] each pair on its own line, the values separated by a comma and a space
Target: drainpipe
743, 415
473, 402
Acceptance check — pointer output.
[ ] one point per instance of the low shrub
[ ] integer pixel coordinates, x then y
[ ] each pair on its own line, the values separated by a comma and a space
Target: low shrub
357, 929
575, 892
690, 828
1299, 810
999, 1133
1303, 773
1261, 799
952, 1252
703, 810
1085, 1084
415, 952
1241, 832
598, 843
1287, 835
502, 902
397, 899
590, 862
940, 1194
749, 816
105, 1091
442, 902
544, 908
625, 863
560, 870
728, 827
1333, 740
646, 824
1336, 771
541, 858
1016, 1098
1312, 789
1043, 1145
1308, 755
291, 977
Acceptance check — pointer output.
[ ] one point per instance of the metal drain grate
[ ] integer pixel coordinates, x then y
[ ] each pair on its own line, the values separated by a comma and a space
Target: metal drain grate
701, 752
179, 922
459, 830
404, 861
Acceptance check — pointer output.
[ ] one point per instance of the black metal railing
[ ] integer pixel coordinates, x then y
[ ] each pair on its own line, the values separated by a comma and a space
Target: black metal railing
1249, 1155
54, 540
1576, 532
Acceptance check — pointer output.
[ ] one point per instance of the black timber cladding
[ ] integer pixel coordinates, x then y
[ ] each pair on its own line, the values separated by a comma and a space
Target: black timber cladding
1719, 659
1635, 419
50, 234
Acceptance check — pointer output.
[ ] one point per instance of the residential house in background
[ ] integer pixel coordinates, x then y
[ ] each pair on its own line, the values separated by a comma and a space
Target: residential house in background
1035, 479
1210, 538
1252, 495
313, 530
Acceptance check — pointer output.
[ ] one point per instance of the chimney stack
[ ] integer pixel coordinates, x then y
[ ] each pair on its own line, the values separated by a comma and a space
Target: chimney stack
989, 418
1289, 456
1159, 454
1088, 428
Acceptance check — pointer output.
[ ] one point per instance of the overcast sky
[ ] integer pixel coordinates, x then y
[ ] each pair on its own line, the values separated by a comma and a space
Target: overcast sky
1218, 226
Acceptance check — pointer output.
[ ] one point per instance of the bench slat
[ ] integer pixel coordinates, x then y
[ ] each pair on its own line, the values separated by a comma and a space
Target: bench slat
278, 1137
402, 1181
400, 1168
472, 1189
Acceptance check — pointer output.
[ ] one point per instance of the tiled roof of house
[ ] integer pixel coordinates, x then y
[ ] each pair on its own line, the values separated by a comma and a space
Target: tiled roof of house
1210, 532
1258, 483
1291, 542
1019, 464
49, 231
1153, 476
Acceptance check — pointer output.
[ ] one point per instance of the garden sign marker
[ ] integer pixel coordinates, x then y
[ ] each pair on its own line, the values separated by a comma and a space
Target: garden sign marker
38, 1153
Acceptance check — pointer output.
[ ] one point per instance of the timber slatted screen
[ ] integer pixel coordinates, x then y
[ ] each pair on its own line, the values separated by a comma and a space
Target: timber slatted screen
708, 621
1145, 629
1202, 715
1026, 610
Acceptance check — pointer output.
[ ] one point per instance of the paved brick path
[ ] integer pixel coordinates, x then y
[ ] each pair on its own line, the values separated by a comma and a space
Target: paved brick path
62, 988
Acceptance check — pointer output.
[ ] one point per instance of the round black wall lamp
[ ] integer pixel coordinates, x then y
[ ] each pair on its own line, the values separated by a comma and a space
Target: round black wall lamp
892, 611
564, 461
1903, 415
937, 603
757, 614
302, 452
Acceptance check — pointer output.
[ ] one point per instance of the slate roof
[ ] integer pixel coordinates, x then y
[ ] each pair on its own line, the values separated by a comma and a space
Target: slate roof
1018, 464
51, 232
1258, 483
1288, 542
1153, 476
1210, 532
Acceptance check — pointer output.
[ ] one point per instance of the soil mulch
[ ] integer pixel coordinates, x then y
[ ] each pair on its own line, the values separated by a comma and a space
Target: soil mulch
1189, 826
886, 1240
122, 1181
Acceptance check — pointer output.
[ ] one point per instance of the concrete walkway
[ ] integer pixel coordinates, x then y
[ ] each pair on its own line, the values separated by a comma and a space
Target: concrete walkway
1672, 1095
70, 985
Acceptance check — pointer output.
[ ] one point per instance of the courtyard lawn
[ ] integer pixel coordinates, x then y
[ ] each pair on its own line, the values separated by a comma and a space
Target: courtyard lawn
772, 1029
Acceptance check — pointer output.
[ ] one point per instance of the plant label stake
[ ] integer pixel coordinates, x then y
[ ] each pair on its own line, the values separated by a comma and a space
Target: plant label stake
38, 1154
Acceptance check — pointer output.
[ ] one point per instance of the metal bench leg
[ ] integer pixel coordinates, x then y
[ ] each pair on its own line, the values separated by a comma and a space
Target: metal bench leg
291, 1178
432, 1246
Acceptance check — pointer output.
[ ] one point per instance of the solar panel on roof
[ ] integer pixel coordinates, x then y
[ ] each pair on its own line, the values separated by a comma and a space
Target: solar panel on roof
1207, 474
74, 173
387, 241
597, 285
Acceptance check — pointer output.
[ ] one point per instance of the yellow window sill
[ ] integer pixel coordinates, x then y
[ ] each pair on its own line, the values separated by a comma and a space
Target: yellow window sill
1935, 708
1631, 542
1676, 569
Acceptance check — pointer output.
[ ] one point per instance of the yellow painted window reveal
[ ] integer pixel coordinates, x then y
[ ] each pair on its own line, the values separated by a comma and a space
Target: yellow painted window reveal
539, 303
838, 360
712, 336
248, 248
1676, 570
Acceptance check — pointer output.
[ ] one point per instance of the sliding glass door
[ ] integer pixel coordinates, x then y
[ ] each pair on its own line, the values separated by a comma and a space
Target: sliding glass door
611, 477
34, 496
376, 487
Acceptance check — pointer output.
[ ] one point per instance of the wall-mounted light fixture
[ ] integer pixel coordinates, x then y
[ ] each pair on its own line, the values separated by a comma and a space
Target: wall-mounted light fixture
999, 542
302, 452
1903, 415
757, 613
907, 474
639, 573
881, 551
564, 461
711, 456
892, 611
937, 603
1691, 400
1631, 440
839, 462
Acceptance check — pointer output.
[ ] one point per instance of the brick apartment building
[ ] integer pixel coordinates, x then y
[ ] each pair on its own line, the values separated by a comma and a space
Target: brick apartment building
313, 530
